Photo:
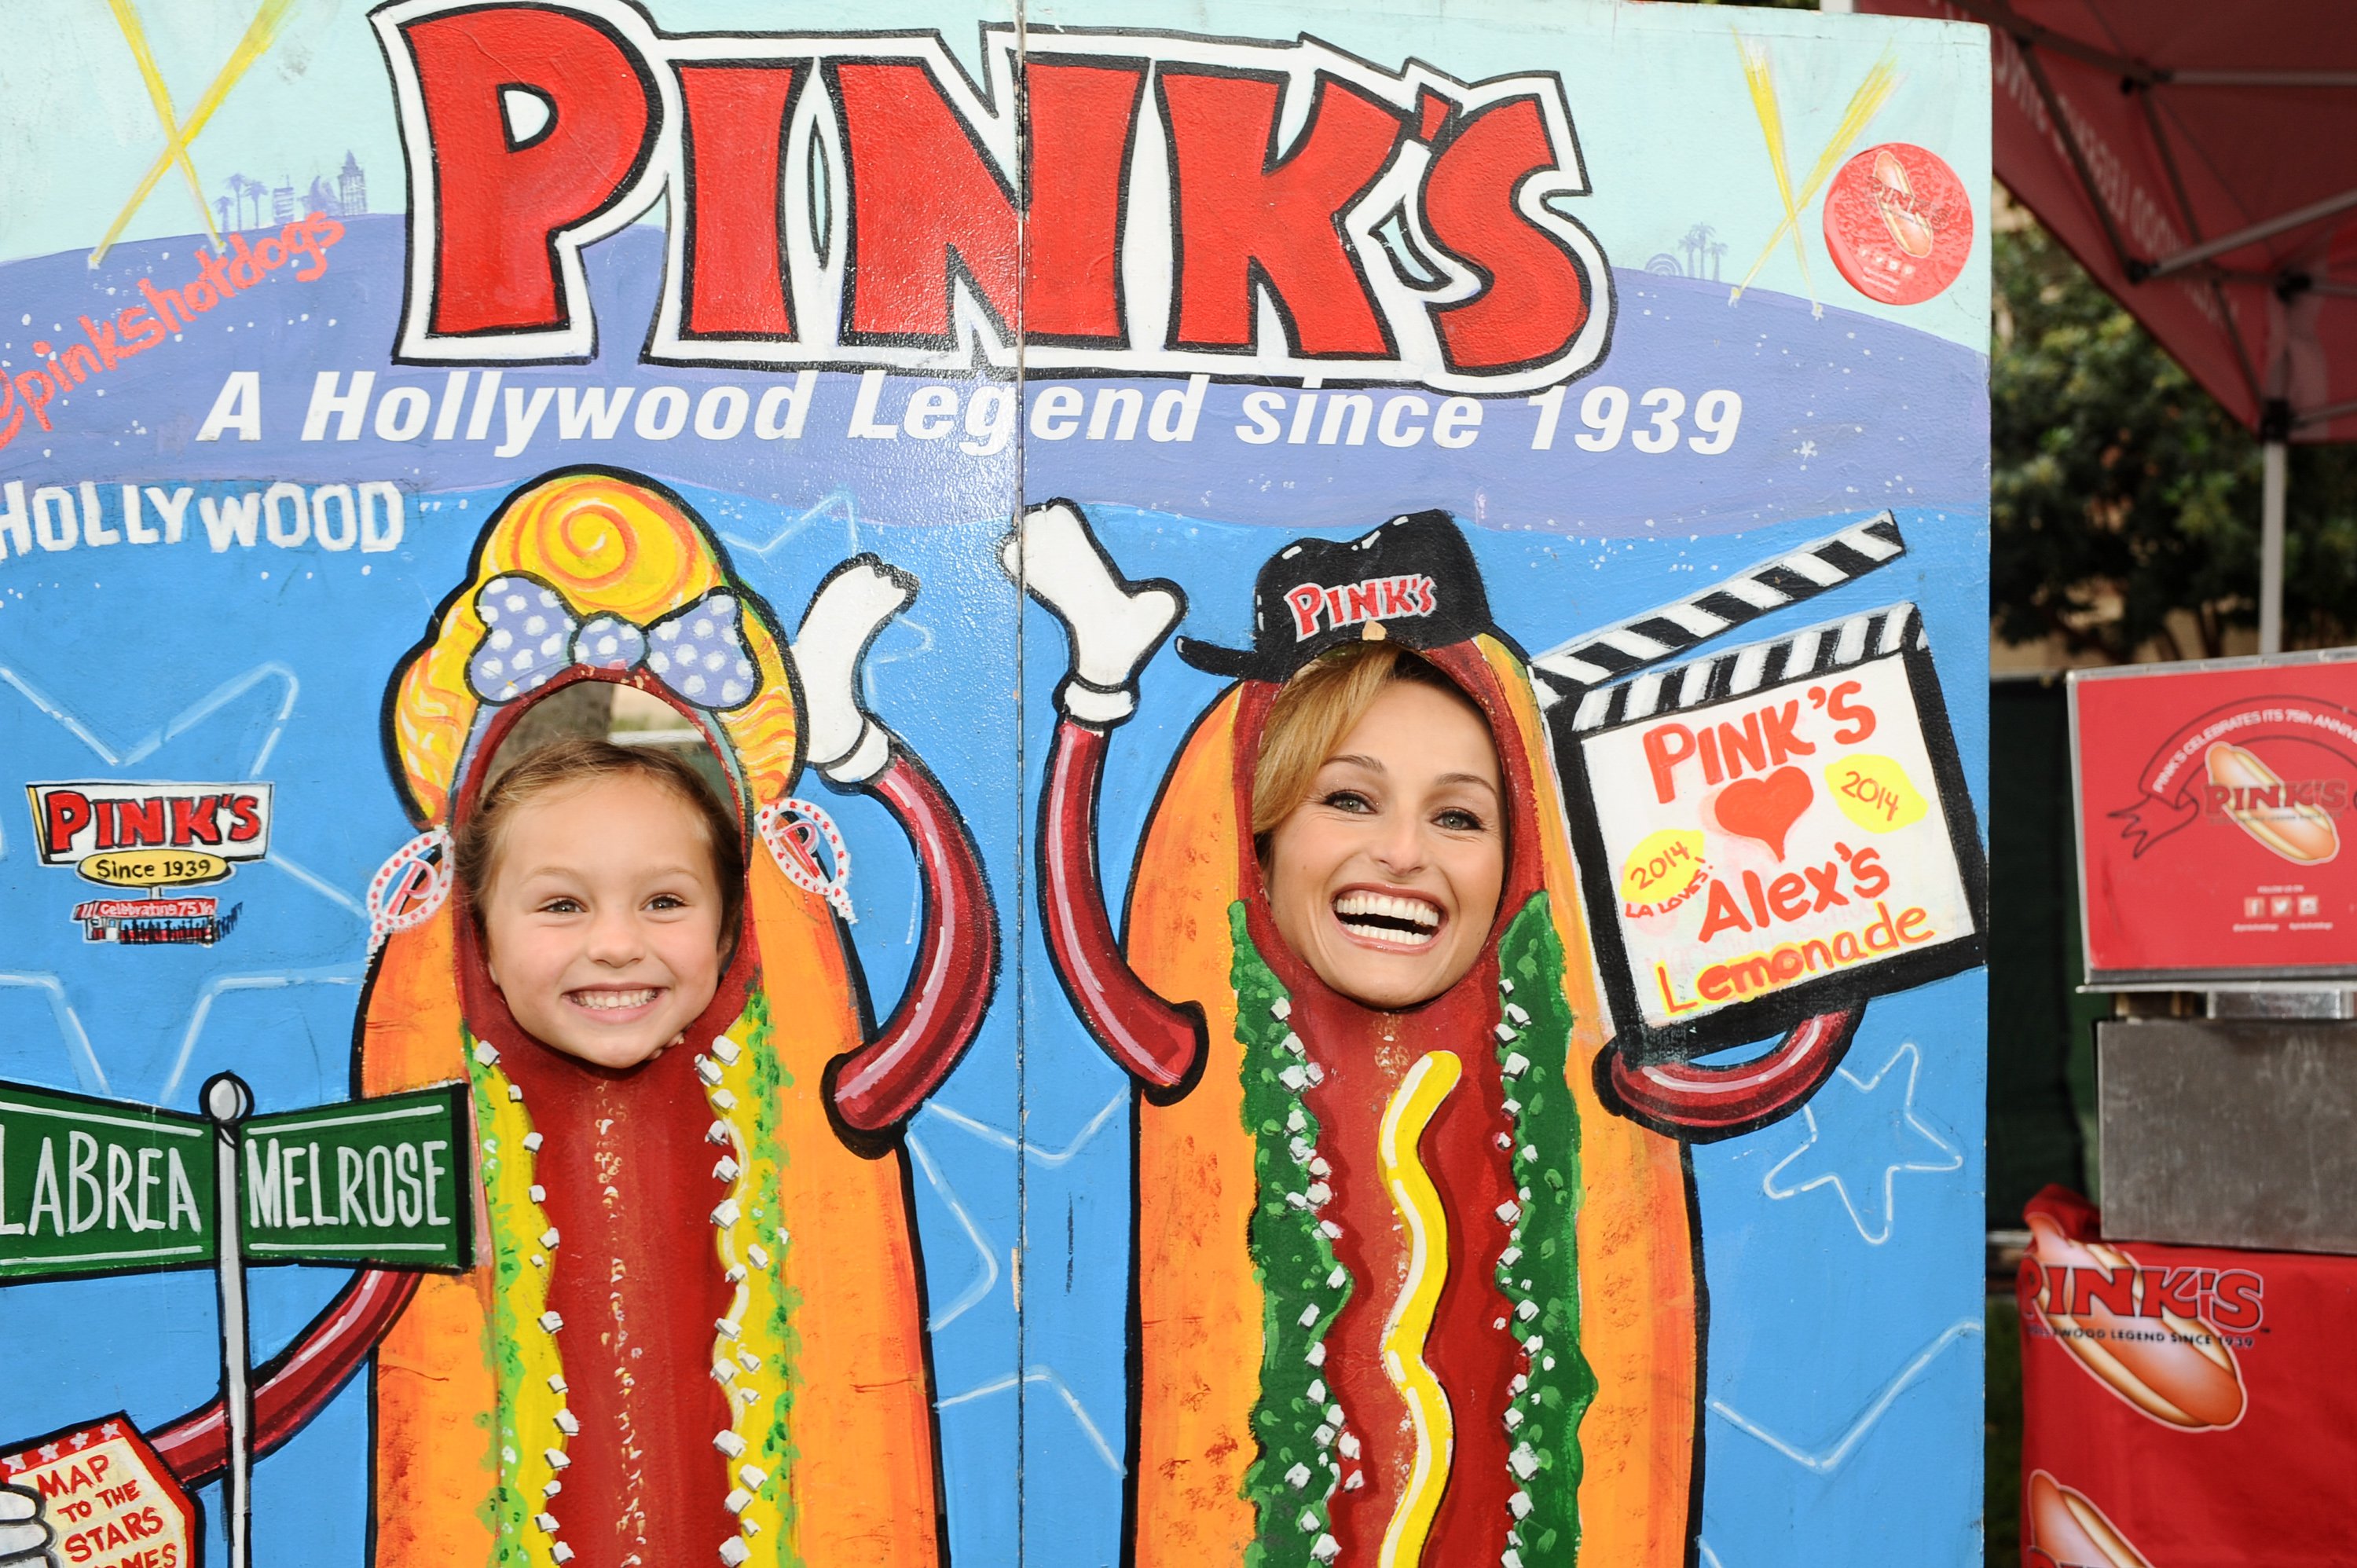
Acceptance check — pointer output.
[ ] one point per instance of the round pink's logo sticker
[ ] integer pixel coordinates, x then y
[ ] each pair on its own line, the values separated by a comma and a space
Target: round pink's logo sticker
1897, 223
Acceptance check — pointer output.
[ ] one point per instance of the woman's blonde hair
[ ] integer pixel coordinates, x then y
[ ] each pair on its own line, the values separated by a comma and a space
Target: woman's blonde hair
1318, 707
577, 760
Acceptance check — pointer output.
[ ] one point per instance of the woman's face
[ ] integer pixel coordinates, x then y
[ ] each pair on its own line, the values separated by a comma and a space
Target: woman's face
602, 920
1385, 880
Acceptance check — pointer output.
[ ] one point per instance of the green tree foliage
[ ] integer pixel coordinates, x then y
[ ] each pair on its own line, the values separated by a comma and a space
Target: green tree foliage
2121, 492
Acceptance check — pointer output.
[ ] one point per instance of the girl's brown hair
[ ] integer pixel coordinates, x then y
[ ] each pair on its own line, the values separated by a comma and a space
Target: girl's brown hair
1318, 707
577, 760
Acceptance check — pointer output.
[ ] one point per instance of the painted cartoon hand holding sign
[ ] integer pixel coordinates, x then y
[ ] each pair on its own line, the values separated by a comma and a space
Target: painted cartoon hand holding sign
24, 1537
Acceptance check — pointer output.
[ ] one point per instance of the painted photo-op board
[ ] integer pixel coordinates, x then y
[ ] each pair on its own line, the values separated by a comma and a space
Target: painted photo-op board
1273, 786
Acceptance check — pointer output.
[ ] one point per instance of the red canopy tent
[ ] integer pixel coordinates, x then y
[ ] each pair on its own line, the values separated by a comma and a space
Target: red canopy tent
2201, 161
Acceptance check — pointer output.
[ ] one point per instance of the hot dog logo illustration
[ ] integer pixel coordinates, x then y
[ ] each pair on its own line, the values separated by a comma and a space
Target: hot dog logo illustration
695, 1333
2158, 1338
1897, 223
2067, 1531
1374, 1246
2278, 767
151, 835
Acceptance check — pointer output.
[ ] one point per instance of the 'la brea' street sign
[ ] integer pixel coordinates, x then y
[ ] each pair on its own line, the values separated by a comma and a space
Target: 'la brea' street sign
93, 1187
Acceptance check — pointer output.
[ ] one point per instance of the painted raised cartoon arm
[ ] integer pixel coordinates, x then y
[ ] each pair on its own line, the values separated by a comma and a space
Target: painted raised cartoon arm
1114, 626
885, 1079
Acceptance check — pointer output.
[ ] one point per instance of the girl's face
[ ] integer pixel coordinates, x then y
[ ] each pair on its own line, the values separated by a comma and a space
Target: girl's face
1385, 880
602, 919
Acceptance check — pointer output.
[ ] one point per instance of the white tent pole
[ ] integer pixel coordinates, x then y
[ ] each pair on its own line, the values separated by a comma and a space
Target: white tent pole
2249, 235
2271, 548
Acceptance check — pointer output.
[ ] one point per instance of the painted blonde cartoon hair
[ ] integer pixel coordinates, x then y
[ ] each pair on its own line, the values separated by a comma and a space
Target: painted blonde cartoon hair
606, 546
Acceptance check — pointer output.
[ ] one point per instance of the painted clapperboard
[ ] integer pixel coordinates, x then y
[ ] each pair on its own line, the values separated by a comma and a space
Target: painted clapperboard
1775, 832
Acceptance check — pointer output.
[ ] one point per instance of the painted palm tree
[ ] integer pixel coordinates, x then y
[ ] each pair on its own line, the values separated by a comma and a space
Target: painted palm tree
1696, 244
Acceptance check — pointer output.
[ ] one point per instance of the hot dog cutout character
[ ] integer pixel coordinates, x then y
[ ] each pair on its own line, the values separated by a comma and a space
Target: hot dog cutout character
1407, 1292
697, 1336
2302, 833
2172, 1365
2066, 1531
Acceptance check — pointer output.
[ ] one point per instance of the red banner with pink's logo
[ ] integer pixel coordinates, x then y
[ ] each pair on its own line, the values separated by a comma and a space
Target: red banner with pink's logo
2183, 1407
2211, 804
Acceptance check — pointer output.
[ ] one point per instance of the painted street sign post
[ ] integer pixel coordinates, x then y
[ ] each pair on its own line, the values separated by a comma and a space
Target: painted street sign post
93, 1187
227, 1101
109, 1187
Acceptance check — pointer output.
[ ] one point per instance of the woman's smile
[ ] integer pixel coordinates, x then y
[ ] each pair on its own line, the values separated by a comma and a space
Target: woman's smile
1388, 919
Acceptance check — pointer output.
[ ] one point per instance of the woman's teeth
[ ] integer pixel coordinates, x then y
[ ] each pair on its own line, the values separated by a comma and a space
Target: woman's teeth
605, 1000
1382, 917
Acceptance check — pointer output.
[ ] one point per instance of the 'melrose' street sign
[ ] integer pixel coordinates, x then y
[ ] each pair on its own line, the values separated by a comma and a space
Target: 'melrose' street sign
376, 1181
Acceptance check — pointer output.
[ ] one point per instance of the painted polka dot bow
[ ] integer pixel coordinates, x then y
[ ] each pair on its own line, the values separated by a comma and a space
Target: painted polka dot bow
530, 635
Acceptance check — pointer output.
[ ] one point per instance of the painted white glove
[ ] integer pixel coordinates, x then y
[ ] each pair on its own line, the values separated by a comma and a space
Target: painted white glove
1114, 624
850, 607
25, 1535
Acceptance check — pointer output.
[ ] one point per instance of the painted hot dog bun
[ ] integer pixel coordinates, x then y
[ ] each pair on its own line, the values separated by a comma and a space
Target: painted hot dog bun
1574, 1417
764, 1341
2068, 1528
2303, 834
2188, 1379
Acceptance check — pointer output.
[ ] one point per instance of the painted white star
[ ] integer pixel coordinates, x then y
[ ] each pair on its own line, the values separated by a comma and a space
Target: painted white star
1863, 1144
1806, 449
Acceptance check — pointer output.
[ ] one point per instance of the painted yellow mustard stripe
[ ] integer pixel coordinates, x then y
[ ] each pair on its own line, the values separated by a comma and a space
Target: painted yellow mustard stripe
1419, 1095
533, 1429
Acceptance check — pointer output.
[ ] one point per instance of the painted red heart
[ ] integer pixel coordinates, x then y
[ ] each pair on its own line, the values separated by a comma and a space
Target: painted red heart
1766, 809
